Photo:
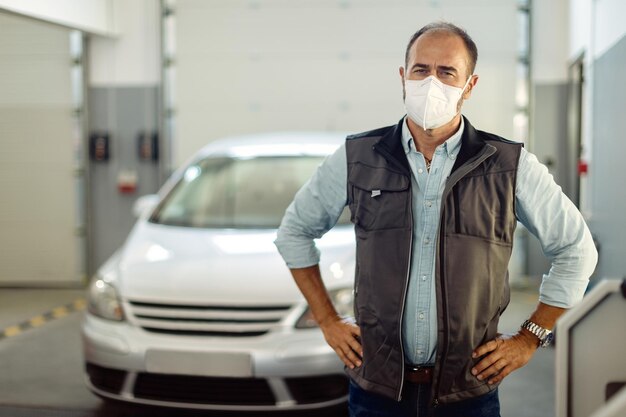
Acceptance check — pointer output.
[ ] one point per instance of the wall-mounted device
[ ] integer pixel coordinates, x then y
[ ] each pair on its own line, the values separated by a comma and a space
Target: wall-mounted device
127, 181
148, 146
99, 146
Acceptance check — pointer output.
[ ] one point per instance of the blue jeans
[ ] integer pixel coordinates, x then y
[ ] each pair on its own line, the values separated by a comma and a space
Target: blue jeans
416, 403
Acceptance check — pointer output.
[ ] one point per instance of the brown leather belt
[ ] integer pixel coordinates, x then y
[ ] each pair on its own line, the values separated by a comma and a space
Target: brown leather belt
419, 374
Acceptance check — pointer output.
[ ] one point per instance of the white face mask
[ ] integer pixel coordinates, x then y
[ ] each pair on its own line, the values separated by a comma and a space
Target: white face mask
431, 103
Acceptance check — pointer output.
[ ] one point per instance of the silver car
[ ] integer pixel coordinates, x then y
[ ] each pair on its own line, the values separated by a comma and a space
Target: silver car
198, 310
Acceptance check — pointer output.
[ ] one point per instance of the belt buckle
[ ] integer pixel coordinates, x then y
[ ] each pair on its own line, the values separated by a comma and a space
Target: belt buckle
419, 374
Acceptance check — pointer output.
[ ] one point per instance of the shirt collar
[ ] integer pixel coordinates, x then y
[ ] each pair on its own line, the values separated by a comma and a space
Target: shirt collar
450, 146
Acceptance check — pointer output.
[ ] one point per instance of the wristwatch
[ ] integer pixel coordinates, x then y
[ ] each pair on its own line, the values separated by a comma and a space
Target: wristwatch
545, 336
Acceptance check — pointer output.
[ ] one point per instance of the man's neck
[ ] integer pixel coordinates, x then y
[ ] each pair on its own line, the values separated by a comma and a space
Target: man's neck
426, 141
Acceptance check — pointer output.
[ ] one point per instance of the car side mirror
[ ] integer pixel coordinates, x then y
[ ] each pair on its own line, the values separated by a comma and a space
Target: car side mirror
145, 204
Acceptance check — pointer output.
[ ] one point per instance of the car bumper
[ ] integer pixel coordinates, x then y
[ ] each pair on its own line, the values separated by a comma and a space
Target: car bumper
286, 369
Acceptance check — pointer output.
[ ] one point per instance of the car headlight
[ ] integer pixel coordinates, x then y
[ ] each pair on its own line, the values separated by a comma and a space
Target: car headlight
343, 300
103, 301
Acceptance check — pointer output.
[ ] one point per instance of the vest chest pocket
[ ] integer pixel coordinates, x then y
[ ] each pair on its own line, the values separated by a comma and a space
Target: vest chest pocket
378, 197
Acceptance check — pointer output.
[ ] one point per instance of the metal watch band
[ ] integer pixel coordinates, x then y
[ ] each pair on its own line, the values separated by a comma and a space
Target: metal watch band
544, 335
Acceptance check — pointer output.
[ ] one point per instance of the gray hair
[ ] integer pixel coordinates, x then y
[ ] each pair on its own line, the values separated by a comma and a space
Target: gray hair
472, 51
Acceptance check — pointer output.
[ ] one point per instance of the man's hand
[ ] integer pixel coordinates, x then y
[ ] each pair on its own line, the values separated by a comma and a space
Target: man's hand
343, 338
504, 354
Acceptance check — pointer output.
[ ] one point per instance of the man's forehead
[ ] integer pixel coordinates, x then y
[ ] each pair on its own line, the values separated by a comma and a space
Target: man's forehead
429, 40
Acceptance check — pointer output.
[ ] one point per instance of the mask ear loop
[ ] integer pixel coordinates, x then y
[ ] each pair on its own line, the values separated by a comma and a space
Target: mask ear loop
462, 91
466, 84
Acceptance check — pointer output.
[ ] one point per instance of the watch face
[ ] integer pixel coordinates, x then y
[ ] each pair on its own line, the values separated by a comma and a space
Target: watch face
547, 340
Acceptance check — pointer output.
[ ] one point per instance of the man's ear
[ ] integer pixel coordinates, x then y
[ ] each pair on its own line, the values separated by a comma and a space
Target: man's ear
470, 86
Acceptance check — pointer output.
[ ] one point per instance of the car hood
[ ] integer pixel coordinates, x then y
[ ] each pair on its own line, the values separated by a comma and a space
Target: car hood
211, 266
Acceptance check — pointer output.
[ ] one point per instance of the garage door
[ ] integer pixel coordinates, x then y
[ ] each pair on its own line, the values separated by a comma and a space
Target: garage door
38, 207
246, 66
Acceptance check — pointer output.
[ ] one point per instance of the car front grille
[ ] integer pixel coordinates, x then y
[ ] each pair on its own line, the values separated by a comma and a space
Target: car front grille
207, 320
194, 389
106, 379
317, 389
216, 391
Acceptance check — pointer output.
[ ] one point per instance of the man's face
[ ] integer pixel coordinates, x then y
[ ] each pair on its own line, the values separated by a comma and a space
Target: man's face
442, 54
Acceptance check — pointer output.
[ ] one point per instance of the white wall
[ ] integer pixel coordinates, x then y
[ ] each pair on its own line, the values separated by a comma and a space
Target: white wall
595, 26
549, 57
125, 35
133, 57
580, 25
91, 16
253, 66
609, 26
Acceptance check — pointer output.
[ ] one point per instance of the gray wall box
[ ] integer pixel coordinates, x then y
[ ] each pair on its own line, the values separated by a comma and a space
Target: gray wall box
607, 172
124, 113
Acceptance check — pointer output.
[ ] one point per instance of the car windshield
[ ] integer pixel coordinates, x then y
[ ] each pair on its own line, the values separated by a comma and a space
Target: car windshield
227, 192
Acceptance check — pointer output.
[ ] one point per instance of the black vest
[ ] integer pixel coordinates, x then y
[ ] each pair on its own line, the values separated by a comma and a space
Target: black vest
474, 245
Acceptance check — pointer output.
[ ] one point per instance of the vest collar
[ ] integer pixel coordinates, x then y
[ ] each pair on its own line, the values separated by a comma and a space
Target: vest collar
390, 146
471, 144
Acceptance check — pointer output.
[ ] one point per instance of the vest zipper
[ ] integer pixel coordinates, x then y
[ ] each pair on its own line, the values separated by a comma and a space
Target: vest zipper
406, 287
390, 158
444, 312
454, 178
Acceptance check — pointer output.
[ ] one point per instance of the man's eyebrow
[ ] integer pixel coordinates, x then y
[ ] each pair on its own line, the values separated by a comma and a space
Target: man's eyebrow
439, 68
447, 68
418, 65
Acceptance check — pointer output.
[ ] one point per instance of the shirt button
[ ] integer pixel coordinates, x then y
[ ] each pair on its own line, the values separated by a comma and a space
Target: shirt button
429, 203
427, 240
419, 171
423, 277
452, 156
419, 352
421, 316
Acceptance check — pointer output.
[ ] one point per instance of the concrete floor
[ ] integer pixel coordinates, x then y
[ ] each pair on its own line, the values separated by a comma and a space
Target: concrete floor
42, 367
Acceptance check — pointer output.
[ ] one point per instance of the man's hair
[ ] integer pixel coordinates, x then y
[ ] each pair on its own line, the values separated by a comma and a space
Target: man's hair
472, 51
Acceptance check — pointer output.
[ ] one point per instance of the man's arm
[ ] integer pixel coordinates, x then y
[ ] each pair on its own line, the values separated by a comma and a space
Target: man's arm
549, 215
315, 210
341, 336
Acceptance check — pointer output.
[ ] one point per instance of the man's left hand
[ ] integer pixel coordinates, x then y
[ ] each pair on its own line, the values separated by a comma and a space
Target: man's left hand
504, 354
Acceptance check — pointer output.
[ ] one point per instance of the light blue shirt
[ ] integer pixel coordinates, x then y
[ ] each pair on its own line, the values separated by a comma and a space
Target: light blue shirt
540, 206
420, 314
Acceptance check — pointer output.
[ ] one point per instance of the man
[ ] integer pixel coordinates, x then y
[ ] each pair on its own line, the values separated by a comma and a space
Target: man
435, 203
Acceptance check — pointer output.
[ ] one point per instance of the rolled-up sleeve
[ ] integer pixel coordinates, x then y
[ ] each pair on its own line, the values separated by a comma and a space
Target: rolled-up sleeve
565, 238
315, 209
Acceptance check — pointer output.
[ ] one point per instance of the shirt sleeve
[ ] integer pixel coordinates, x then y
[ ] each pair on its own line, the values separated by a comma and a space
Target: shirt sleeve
315, 210
565, 238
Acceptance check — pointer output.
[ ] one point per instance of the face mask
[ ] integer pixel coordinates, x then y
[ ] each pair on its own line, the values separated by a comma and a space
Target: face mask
431, 103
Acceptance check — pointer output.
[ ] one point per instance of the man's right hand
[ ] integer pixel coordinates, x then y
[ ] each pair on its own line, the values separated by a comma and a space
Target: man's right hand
344, 338
341, 336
